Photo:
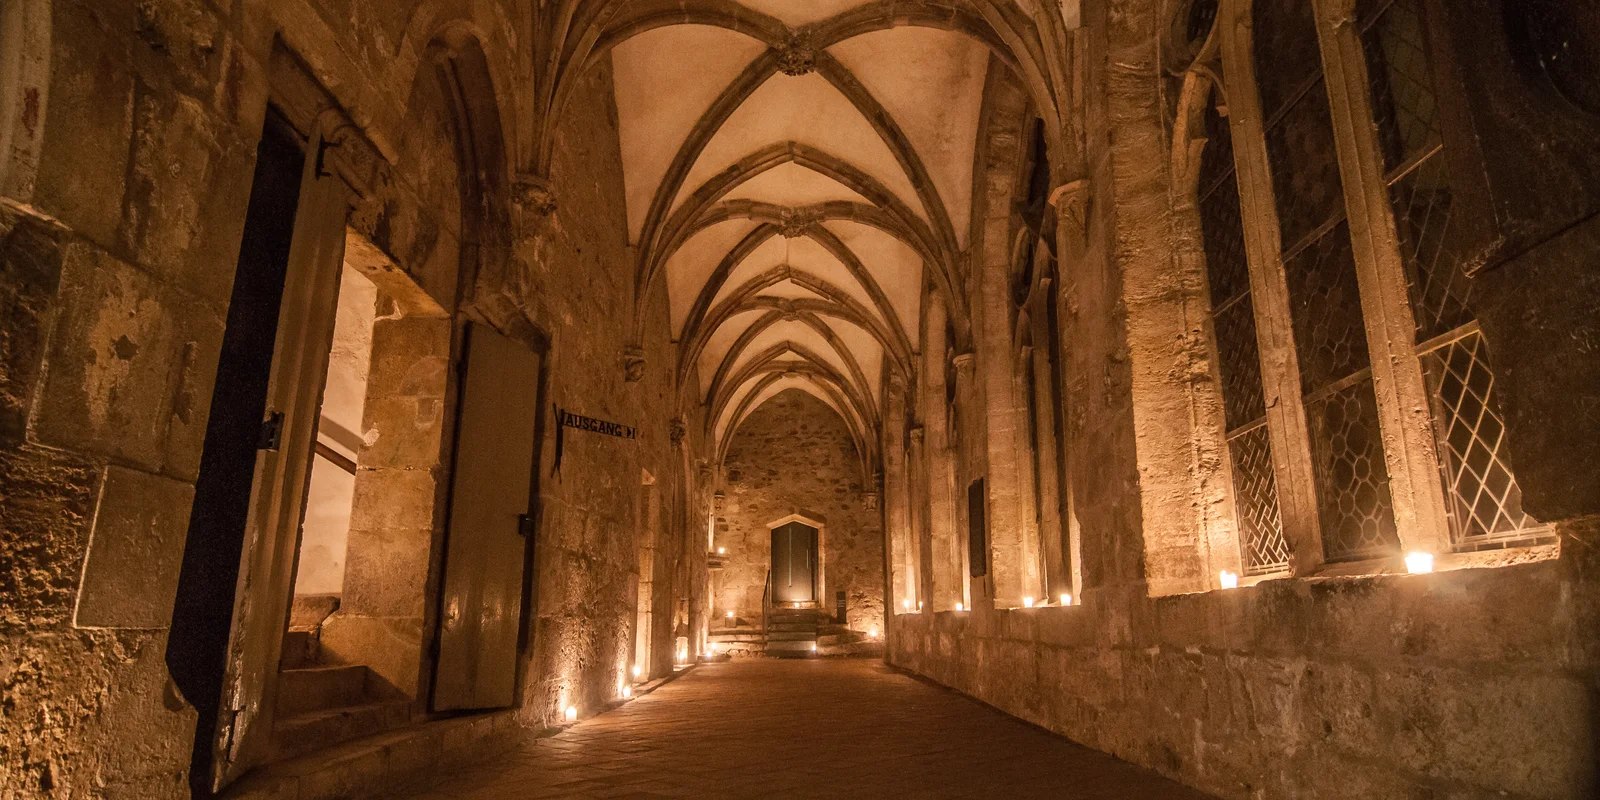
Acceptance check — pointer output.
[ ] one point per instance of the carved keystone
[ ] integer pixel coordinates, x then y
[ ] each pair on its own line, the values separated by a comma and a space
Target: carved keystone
794, 223
798, 56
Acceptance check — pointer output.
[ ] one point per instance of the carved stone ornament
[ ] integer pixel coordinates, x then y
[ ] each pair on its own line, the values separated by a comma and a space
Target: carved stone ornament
532, 195
718, 500
633, 364
870, 500
677, 429
799, 55
795, 222
1072, 200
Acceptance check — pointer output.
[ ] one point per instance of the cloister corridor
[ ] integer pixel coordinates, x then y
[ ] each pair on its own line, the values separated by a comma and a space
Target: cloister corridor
517, 399
792, 728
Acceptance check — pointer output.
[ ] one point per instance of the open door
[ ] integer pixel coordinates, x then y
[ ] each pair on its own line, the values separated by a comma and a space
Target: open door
233, 590
490, 524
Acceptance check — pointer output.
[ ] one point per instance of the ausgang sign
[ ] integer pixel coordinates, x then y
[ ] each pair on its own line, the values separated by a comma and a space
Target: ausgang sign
567, 419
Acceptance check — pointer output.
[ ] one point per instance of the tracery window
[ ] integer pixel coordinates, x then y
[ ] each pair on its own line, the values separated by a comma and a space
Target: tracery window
1354, 507
1481, 494
1262, 545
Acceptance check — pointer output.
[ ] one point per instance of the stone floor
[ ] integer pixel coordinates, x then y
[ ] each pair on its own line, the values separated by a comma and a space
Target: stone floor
818, 728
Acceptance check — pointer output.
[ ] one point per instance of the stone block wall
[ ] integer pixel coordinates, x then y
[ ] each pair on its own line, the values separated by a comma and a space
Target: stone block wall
120, 224
793, 455
1471, 682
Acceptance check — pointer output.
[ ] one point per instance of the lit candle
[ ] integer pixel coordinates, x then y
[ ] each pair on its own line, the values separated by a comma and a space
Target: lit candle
1229, 580
1419, 563
1066, 599
1027, 602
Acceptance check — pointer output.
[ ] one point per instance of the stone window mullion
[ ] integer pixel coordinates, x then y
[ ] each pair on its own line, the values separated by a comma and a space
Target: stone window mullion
1280, 365
1402, 394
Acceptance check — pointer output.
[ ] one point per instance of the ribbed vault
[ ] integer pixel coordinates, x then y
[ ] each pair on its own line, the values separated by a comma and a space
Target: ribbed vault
796, 174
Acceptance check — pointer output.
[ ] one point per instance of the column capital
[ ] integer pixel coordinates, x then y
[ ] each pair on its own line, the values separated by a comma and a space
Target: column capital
633, 364
532, 195
1071, 201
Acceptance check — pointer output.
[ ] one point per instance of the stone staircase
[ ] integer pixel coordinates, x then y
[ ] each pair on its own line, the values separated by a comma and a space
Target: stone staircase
795, 633
792, 633
321, 705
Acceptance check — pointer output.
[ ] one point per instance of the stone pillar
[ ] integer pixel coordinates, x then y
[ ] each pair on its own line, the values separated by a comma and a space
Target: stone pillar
1403, 397
917, 556
947, 576
897, 506
1269, 294
1012, 573
967, 418
1057, 577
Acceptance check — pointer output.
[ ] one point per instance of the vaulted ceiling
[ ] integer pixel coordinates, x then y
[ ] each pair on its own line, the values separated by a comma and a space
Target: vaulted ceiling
794, 172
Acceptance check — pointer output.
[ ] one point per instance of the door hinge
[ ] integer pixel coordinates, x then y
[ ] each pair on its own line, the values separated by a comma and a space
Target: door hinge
525, 526
271, 432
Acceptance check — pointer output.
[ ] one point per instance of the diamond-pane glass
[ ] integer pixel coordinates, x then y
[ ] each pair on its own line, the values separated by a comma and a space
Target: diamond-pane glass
1285, 51
1485, 503
1353, 502
1402, 85
1305, 167
1221, 226
1222, 231
1255, 500
1326, 306
1240, 364
1439, 286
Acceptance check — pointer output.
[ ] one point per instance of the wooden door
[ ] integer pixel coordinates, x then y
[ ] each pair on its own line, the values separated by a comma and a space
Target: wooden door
282, 470
794, 563
491, 507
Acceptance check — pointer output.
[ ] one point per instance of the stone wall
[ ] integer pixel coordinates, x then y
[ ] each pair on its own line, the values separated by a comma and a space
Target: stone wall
794, 455
1476, 682
120, 226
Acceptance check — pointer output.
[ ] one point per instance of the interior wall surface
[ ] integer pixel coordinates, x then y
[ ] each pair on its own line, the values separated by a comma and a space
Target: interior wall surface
116, 266
794, 455
575, 279
1463, 683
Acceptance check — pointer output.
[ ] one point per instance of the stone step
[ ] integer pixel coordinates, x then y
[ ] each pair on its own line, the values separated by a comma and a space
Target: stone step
752, 636
300, 649
806, 629
791, 649
311, 689
792, 636
304, 733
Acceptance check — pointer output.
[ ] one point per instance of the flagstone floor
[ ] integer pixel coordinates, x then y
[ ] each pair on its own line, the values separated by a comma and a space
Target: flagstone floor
803, 729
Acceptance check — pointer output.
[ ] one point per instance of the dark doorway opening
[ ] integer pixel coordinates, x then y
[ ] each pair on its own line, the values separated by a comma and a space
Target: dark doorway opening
794, 563
202, 614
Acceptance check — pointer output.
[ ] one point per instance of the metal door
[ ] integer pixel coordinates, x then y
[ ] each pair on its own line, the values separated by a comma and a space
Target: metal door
490, 507
794, 563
